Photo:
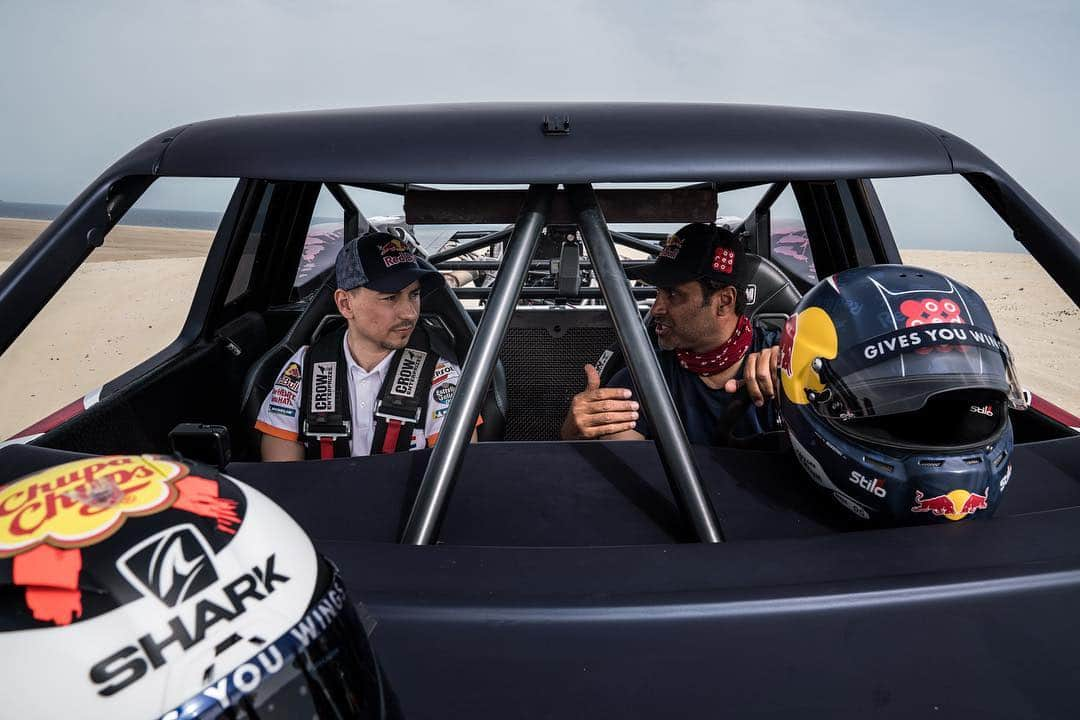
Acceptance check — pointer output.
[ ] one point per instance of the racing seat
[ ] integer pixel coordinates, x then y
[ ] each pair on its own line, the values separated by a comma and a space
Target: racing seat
770, 298
448, 324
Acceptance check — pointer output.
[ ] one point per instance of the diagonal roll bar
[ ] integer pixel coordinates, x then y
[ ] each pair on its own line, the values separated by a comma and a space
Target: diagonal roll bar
442, 469
671, 439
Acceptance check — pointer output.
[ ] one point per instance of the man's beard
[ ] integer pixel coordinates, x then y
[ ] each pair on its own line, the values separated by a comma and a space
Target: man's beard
395, 342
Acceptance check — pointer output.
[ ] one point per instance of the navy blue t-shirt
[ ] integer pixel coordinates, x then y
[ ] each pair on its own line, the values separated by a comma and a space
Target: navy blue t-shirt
700, 406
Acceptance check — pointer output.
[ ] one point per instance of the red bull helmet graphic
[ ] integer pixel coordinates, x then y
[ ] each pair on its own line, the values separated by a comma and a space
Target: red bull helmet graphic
146, 587
895, 389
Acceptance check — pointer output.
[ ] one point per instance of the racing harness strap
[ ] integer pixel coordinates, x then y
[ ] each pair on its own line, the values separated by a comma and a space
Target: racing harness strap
325, 411
403, 395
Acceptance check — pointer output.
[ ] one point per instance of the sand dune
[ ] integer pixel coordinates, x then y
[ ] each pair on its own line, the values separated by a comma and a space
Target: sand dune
132, 298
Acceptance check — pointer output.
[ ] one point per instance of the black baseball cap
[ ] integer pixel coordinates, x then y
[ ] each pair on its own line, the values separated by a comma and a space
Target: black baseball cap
381, 262
696, 251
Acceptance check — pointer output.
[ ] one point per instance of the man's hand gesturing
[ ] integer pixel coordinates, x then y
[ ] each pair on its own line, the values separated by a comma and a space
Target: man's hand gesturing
596, 411
759, 375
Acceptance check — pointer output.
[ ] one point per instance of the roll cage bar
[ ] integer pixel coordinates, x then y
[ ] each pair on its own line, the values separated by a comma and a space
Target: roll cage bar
441, 473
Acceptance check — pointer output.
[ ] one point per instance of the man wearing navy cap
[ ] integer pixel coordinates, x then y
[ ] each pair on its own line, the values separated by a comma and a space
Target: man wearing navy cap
375, 386
708, 347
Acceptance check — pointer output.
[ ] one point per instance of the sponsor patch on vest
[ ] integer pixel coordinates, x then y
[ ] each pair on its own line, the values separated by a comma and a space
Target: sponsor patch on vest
446, 393
407, 376
323, 386
442, 371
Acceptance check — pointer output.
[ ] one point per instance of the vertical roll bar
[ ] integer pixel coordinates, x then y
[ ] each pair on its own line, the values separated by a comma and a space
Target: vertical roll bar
652, 390
445, 461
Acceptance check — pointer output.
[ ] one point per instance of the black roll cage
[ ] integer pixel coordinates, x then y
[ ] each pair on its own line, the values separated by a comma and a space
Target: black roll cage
825, 156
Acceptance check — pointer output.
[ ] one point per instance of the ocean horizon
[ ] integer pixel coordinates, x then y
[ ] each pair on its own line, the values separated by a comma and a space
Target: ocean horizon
185, 219
205, 220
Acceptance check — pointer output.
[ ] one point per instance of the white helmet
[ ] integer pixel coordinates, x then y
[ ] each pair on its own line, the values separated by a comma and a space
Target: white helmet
145, 587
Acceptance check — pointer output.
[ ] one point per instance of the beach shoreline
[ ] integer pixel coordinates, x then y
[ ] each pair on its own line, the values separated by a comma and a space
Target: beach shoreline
131, 298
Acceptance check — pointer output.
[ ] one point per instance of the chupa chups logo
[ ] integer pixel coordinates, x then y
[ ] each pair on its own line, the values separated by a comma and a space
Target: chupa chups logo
83, 502
408, 373
172, 565
954, 505
323, 397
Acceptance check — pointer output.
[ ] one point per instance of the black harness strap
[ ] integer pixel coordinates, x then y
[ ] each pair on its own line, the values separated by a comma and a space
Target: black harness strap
325, 414
403, 396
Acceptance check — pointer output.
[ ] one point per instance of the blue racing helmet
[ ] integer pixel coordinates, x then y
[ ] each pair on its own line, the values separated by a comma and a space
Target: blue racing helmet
895, 390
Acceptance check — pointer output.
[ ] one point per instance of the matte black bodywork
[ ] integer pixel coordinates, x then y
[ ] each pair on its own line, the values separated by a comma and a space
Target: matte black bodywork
566, 585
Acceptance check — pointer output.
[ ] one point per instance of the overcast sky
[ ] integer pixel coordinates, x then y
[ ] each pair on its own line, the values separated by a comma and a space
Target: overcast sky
85, 82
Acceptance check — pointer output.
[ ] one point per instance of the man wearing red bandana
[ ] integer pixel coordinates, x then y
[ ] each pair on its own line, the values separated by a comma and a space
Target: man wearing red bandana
707, 348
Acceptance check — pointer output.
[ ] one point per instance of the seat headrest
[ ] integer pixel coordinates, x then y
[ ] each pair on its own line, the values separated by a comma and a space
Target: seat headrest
768, 291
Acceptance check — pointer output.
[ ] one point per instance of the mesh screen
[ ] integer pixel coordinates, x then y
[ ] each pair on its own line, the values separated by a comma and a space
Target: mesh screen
543, 371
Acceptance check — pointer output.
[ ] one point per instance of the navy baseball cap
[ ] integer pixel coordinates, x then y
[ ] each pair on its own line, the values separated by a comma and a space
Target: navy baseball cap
381, 262
696, 251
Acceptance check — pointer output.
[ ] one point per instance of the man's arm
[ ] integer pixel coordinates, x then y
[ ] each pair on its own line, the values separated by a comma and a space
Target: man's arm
601, 412
279, 450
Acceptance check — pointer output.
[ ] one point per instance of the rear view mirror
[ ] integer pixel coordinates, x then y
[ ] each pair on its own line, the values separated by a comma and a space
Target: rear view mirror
206, 443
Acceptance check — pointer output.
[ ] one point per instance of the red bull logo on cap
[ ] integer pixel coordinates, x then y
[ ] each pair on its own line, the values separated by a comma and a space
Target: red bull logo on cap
395, 252
955, 505
671, 248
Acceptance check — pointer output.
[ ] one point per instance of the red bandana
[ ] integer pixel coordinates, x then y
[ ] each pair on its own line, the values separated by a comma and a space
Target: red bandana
719, 358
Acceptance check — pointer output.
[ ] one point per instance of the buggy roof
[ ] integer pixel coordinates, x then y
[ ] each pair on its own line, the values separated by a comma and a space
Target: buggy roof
606, 142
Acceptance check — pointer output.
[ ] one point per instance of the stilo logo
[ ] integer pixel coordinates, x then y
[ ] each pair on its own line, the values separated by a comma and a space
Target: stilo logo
172, 565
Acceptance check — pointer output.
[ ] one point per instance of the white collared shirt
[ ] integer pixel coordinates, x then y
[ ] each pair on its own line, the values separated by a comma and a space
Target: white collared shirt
280, 411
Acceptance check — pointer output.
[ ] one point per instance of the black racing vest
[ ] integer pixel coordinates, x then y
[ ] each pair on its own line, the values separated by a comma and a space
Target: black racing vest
325, 412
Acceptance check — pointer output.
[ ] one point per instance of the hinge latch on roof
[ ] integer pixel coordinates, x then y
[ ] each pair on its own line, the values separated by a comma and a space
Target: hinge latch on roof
556, 124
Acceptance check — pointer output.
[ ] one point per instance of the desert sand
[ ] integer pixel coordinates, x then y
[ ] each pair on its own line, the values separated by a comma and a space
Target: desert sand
130, 300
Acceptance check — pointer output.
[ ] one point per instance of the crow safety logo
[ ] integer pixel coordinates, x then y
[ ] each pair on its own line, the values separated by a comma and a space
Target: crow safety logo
408, 373
83, 502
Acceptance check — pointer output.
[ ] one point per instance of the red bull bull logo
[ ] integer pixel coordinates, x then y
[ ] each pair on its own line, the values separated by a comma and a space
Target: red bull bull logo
395, 245
954, 505
394, 252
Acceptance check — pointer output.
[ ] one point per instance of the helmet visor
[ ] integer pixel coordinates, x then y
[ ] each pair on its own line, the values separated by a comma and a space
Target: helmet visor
952, 420
321, 668
899, 372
